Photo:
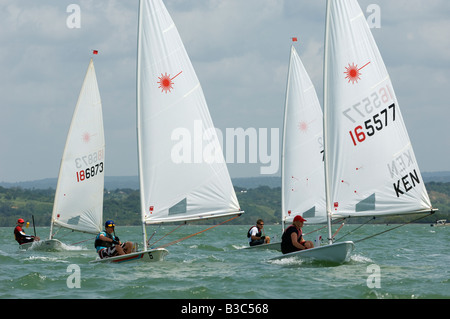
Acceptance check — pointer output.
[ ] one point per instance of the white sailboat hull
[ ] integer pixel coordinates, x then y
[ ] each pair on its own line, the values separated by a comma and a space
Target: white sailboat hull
271, 246
151, 255
335, 253
43, 245
440, 223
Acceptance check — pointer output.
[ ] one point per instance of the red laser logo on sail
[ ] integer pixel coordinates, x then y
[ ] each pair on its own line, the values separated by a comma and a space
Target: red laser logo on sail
353, 73
86, 137
165, 82
303, 126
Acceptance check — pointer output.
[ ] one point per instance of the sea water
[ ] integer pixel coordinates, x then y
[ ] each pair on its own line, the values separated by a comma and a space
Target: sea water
411, 262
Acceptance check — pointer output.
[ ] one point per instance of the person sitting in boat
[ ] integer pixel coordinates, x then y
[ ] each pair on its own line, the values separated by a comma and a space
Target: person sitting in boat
292, 238
109, 245
255, 236
20, 235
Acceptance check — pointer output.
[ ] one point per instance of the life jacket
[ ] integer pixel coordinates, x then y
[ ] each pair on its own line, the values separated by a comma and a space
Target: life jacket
299, 233
17, 234
21, 237
101, 243
286, 241
258, 234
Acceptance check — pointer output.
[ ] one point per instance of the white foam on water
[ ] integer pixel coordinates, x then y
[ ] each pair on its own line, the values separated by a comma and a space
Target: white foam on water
360, 259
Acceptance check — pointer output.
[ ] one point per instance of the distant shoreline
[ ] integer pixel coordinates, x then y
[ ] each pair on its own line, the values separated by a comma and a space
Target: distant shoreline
132, 182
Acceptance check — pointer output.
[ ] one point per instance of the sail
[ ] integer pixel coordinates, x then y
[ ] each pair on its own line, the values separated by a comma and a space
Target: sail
78, 201
303, 171
370, 164
183, 175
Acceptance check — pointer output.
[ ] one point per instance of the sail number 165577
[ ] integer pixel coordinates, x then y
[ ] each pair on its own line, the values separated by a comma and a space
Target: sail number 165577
373, 125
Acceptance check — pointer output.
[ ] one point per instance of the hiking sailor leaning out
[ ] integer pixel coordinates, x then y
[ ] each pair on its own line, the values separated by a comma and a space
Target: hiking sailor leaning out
109, 245
20, 235
255, 235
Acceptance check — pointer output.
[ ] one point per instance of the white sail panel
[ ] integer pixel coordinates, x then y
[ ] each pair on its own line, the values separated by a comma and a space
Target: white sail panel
303, 171
183, 175
370, 164
79, 194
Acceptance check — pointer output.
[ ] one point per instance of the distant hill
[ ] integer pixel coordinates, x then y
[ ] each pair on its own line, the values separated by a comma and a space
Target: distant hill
132, 182
438, 177
111, 183
123, 204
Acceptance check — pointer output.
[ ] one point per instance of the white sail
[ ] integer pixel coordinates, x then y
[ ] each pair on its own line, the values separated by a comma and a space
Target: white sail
183, 175
303, 183
79, 194
370, 164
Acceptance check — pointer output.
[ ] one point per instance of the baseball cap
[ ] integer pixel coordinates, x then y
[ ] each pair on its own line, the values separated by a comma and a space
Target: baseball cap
20, 221
299, 218
110, 223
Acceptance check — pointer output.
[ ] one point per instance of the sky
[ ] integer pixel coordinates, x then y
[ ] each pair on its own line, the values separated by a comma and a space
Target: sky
240, 51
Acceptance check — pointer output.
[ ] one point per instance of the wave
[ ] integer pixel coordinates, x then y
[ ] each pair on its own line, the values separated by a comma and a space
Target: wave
360, 259
288, 262
72, 247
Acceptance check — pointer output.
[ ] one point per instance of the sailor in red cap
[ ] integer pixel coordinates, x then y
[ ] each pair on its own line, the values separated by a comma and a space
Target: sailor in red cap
20, 235
292, 239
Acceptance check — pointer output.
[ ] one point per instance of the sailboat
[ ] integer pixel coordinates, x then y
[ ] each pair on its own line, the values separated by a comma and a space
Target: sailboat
303, 182
183, 175
370, 166
303, 188
78, 203
302, 171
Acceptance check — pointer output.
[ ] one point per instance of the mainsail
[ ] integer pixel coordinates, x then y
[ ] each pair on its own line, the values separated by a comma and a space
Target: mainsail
183, 175
303, 185
78, 201
370, 166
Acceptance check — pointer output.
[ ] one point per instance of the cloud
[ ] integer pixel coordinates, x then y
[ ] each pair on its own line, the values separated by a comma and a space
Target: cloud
240, 50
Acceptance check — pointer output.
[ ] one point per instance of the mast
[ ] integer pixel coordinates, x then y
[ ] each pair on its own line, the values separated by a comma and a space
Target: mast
325, 110
138, 114
283, 206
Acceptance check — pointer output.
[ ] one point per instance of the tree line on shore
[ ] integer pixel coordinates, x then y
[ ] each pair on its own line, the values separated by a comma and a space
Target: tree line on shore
123, 206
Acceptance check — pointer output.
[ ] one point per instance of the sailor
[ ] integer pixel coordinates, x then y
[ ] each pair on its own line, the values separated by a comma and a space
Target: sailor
20, 235
255, 236
292, 238
109, 245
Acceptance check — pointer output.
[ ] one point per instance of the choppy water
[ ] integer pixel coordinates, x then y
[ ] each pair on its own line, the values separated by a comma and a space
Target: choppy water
412, 262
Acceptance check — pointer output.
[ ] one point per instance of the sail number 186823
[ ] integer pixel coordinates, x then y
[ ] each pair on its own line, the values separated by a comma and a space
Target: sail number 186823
89, 172
373, 125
